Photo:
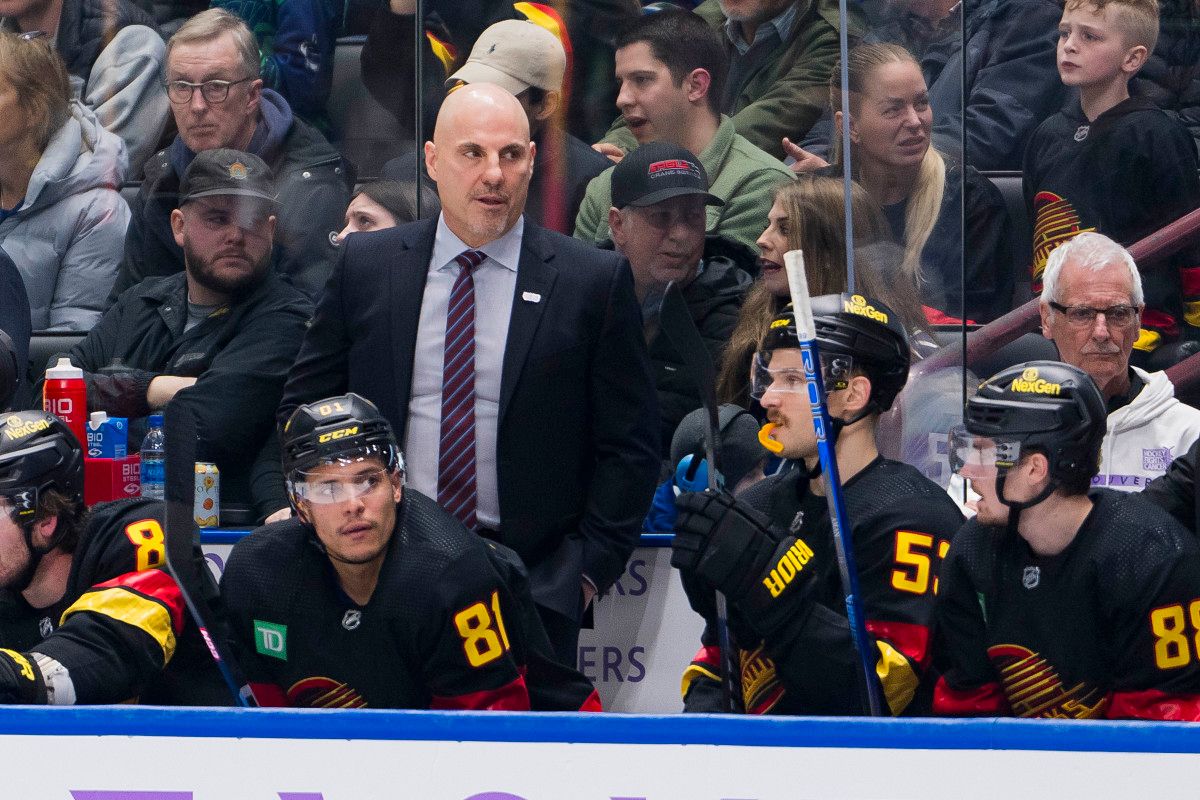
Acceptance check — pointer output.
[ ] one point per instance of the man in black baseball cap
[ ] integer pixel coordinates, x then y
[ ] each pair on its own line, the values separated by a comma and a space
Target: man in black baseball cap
220, 335
660, 193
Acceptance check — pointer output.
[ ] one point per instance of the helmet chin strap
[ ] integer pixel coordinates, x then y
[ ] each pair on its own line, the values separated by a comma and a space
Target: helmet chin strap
1014, 507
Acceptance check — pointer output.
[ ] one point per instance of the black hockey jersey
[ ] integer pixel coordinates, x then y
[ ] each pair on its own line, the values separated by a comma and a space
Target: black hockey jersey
1110, 627
120, 629
901, 524
443, 628
1126, 174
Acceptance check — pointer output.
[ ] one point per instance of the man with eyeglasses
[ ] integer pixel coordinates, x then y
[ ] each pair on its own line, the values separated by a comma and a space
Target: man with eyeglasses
660, 194
771, 549
220, 336
373, 596
114, 55
1092, 309
218, 101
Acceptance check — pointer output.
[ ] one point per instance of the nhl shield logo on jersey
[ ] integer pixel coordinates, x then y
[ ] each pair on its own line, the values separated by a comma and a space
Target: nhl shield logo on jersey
1031, 577
45, 627
351, 619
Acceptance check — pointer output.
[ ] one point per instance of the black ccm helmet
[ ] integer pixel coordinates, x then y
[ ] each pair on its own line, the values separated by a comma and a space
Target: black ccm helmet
344, 429
852, 331
1053, 407
38, 452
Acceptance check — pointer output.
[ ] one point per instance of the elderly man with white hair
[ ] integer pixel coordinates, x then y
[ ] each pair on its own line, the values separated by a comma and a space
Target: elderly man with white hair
1091, 309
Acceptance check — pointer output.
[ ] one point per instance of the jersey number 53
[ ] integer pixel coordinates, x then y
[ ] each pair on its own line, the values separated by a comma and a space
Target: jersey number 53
915, 556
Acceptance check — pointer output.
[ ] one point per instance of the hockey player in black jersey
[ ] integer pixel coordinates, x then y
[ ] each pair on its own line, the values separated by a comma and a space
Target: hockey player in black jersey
372, 595
87, 614
1056, 601
771, 549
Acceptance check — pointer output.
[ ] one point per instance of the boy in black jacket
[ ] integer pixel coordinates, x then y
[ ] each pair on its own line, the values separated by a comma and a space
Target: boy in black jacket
1116, 164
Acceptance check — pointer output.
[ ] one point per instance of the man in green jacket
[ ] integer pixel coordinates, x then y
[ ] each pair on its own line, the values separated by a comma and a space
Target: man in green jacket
671, 67
781, 53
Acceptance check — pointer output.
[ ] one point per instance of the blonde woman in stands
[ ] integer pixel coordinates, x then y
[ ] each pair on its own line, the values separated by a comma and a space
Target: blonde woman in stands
920, 190
807, 214
62, 220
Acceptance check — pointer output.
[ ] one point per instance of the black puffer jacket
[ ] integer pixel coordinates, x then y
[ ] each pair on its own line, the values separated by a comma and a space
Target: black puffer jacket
1171, 76
313, 188
714, 299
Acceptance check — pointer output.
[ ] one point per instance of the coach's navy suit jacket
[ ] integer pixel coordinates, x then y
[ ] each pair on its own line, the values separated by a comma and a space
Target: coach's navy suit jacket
578, 419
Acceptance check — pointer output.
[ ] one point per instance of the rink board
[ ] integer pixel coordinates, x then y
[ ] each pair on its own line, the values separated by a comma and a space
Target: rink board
130, 753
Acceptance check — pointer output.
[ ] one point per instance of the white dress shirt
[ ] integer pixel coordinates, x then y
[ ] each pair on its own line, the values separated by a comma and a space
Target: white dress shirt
495, 284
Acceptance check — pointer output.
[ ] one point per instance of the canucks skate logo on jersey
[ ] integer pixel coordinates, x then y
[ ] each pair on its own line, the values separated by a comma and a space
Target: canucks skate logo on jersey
1031, 577
1035, 689
1055, 221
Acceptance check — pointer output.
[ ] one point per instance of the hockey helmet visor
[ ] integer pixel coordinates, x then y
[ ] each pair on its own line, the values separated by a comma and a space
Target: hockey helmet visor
339, 430
836, 372
977, 455
323, 488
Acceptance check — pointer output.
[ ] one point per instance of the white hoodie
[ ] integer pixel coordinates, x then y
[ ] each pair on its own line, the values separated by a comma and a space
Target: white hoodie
1144, 436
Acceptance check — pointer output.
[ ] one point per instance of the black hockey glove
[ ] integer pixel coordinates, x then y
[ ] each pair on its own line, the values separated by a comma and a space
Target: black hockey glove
20, 679
782, 588
721, 541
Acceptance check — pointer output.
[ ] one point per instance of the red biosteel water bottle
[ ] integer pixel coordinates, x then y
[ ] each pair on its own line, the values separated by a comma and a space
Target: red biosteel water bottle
65, 396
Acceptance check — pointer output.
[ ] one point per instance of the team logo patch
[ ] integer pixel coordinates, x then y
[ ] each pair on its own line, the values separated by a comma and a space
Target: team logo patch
321, 692
270, 639
237, 171
1156, 458
352, 619
45, 627
1031, 577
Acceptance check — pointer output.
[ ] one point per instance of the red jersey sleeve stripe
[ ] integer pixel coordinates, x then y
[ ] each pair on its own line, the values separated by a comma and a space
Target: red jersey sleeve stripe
910, 639
512, 696
592, 703
1153, 704
155, 584
268, 695
987, 700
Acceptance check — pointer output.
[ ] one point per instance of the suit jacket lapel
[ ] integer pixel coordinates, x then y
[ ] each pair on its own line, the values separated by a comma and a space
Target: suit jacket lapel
535, 280
407, 275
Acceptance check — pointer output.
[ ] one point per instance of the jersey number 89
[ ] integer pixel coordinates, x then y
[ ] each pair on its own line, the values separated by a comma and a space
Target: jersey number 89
480, 642
1172, 649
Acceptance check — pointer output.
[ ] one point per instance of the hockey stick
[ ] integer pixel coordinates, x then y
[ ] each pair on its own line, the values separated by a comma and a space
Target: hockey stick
806, 332
676, 322
183, 540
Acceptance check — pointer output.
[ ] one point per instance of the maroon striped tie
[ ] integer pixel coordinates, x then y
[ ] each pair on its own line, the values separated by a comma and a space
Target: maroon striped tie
456, 452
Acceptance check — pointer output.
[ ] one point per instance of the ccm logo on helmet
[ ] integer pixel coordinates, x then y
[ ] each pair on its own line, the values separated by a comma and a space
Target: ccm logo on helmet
1030, 383
340, 433
788, 567
857, 304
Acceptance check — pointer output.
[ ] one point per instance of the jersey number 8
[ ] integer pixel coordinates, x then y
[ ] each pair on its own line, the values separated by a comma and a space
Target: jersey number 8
480, 641
146, 535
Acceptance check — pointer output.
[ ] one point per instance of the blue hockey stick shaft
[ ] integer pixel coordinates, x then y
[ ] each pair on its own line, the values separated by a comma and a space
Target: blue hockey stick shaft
843, 541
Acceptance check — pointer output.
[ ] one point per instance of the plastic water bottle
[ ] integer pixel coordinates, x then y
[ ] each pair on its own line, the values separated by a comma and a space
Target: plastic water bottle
154, 452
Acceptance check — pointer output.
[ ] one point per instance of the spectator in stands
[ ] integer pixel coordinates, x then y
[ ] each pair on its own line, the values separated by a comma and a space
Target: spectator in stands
1091, 304
671, 67
529, 61
780, 53
657, 220
1170, 78
1118, 165
219, 336
295, 46
219, 102
808, 214
114, 57
15, 327
922, 193
378, 206
561, 383
61, 218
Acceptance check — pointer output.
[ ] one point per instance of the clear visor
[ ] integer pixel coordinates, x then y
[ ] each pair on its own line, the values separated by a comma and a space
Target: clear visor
972, 455
323, 488
835, 371
18, 505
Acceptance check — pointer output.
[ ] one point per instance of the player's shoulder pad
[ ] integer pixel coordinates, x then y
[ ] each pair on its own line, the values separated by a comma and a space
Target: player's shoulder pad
110, 537
259, 556
427, 528
901, 496
432, 544
1133, 541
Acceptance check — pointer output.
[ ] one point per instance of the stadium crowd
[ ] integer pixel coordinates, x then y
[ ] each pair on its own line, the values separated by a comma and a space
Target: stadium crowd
424, 317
